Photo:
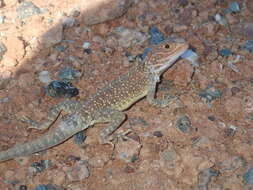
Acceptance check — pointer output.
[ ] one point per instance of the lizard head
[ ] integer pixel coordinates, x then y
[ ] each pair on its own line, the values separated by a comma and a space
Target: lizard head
162, 56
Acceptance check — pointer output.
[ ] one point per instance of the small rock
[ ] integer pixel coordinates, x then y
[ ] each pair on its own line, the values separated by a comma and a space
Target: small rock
158, 133
156, 36
210, 94
27, 9
169, 155
183, 3
248, 176
4, 100
128, 169
129, 37
184, 125
86, 45
99, 39
67, 22
80, 137
3, 49
22, 187
75, 12
220, 19
68, 73
230, 131
205, 176
233, 7
191, 56
61, 48
40, 166
61, 89
48, 187
248, 46
225, 52
2, 18
44, 77
78, 172
211, 118
128, 150
235, 90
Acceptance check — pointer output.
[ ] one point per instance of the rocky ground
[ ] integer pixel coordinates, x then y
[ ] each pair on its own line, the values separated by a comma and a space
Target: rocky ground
202, 141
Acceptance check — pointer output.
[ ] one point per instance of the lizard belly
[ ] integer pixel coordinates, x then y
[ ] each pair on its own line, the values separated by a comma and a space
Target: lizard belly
126, 103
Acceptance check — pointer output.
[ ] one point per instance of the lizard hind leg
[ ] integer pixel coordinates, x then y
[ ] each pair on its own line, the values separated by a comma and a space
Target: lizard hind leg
68, 106
114, 118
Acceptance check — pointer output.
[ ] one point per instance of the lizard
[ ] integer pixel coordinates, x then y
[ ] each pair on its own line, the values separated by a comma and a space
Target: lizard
106, 105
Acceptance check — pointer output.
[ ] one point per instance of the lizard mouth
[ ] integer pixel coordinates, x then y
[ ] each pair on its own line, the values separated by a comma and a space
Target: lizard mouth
170, 60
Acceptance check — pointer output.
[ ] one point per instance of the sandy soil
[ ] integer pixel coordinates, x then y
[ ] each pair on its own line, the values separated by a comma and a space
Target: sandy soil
202, 141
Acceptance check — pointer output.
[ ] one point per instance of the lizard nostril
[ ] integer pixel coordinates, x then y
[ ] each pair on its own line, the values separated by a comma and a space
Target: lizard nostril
167, 46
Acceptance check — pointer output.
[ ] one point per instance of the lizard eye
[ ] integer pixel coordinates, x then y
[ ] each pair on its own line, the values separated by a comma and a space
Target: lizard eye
167, 46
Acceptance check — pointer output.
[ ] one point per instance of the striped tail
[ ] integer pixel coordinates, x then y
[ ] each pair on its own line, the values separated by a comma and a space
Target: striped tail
66, 129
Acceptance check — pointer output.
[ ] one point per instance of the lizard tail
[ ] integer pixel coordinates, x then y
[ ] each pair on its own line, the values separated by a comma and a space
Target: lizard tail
64, 131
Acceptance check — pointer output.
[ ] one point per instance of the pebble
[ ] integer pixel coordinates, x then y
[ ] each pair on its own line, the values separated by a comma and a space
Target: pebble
220, 19
225, 52
2, 18
44, 77
22, 187
210, 94
157, 134
248, 176
169, 155
68, 73
41, 166
248, 46
211, 118
191, 56
234, 7
86, 45
128, 150
80, 137
61, 48
129, 37
68, 22
27, 9
48, 187
61, 89
205, 177
78, 172
99, 39
3, 49
184, 124
156, 36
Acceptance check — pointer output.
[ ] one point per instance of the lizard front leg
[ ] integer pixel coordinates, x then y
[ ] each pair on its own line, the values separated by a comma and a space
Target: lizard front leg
68, 106
151, 97
114, 118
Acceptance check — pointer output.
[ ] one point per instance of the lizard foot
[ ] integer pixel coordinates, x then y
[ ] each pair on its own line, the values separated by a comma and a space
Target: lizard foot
113, 139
